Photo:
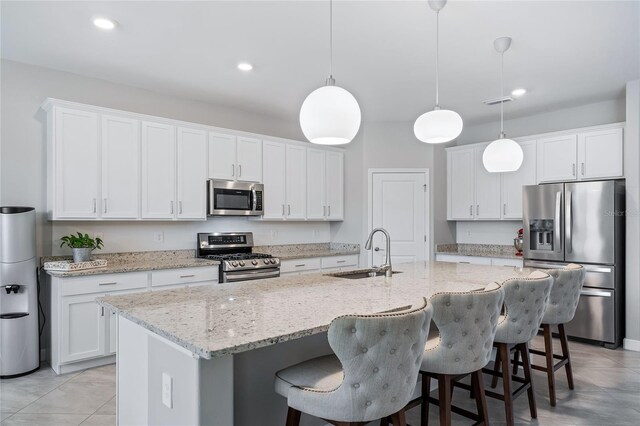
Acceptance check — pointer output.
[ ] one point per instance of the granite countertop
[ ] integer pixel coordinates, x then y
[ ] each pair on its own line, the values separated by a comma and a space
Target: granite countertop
213, 321
481, 250
302, 251
135, 261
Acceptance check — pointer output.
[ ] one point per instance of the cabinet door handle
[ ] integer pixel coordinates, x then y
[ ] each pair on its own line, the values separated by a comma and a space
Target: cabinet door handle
283, 210
471, 210
582, 168
288, 209
301, 265
101, 311
341, 261
504, 208
104, 205
187, 276
573, 169
239, 170
180, 207
233, 170
477, 209
324, 210
171, 207
110, 283
329, 209
94, 205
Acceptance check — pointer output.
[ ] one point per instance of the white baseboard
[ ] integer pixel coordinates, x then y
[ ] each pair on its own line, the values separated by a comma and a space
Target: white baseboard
631, 345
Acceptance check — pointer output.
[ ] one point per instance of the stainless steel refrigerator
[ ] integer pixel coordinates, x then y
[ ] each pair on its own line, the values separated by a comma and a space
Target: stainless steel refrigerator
582, 222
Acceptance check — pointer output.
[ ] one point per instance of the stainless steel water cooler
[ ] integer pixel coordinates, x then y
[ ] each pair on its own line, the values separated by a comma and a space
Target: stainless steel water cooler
19, 345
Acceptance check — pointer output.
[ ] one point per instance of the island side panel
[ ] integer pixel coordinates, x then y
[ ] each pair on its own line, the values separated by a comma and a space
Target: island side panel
201, 391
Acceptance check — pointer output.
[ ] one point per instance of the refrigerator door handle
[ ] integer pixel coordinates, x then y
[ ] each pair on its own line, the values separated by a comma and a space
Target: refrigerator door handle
568, 223
595, 293
556, 231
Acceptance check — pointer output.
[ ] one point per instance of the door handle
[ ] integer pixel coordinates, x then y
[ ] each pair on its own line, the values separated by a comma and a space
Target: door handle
283, 210
180, 207
104, 205
568, 219
582, 168
289, 209
471, 210
239, 170
324, 210
101, 311
171, 206
595, 293
94, 205
504, 209
329, 208
341, 261
187, 276
556, 223
110, 283
233, 170
477, 209
573, 169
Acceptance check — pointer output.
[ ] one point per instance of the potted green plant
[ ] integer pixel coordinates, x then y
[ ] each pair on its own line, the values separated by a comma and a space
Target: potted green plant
81, 246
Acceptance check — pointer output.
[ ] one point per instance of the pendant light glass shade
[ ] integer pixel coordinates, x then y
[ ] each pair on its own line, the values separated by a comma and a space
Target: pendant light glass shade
330, 115
438, 126
502, 155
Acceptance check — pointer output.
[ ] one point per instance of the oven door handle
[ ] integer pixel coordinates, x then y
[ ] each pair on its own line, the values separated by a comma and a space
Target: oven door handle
254, 199
255, 275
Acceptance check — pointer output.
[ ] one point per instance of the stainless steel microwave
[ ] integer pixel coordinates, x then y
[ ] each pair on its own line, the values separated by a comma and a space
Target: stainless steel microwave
228, 198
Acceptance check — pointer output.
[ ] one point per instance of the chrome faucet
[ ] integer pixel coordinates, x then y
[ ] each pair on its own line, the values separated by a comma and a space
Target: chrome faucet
387, 265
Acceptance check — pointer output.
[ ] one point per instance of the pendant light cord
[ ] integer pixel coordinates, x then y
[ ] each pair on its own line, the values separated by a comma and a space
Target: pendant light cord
331, 39
437, 59
502, 95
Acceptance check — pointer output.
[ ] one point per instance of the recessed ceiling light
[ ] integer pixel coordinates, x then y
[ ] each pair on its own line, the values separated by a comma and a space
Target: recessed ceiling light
245, 66
518, 92
104, 23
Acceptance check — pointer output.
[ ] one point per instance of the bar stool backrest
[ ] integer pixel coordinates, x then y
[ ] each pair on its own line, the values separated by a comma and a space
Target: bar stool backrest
467, 324
381, 356
525, 301
565, 294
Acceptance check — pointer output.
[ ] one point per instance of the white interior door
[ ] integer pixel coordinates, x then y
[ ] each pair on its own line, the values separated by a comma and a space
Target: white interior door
399, 205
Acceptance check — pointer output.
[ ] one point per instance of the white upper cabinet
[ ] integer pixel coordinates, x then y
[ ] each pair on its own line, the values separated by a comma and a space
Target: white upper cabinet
316, 184
75, 169
274, 179
487, 189
460, 184
235, 158
513, 182
249, 159
334, 166
192, 173
600, 154
158, 171
120, 168
296, 179
557, 157
222, 156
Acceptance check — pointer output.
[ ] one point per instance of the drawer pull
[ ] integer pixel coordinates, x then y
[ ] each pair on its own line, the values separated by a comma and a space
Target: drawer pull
465, 262
302, 264
187, 276
341, 261
111, 283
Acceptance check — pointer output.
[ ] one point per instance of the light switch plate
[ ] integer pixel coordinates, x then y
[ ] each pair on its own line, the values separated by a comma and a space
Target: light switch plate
167, 390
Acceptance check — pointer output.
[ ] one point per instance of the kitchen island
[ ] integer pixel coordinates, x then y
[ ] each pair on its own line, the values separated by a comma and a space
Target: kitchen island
207, 355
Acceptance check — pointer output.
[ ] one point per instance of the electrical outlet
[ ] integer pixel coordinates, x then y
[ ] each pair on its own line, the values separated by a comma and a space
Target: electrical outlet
158, 237
167, 390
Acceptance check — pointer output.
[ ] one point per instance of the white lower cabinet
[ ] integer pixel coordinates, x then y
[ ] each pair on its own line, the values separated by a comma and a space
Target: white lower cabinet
313, 265
83, 334
478, 260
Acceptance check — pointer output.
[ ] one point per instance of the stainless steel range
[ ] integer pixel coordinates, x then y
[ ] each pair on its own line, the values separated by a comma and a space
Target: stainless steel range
234, 250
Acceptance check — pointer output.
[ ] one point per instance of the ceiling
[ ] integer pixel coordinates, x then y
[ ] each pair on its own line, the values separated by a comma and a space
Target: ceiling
564, 52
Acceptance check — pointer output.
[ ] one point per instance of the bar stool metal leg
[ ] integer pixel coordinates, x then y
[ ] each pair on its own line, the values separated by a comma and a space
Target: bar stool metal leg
565, 354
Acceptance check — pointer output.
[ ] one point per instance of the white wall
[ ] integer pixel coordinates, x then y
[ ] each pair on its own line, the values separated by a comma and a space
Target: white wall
632, 172
23, 151
487, 232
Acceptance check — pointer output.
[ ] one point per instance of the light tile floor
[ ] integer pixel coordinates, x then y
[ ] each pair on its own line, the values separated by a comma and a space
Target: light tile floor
607, 393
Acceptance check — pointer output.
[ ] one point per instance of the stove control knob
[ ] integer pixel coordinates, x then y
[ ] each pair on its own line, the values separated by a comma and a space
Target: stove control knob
266, 261
254, 262
272, 261
234, 263
241, 263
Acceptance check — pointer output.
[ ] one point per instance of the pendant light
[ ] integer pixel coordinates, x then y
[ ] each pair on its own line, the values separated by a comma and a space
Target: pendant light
439, 125
502, 155
330, 115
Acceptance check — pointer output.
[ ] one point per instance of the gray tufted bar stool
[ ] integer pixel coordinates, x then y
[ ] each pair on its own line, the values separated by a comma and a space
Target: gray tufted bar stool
563, 301
371, 376
525, 301
467, 325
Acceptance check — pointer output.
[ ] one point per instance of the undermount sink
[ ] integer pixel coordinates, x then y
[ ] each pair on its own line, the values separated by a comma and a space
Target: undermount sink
359, 274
